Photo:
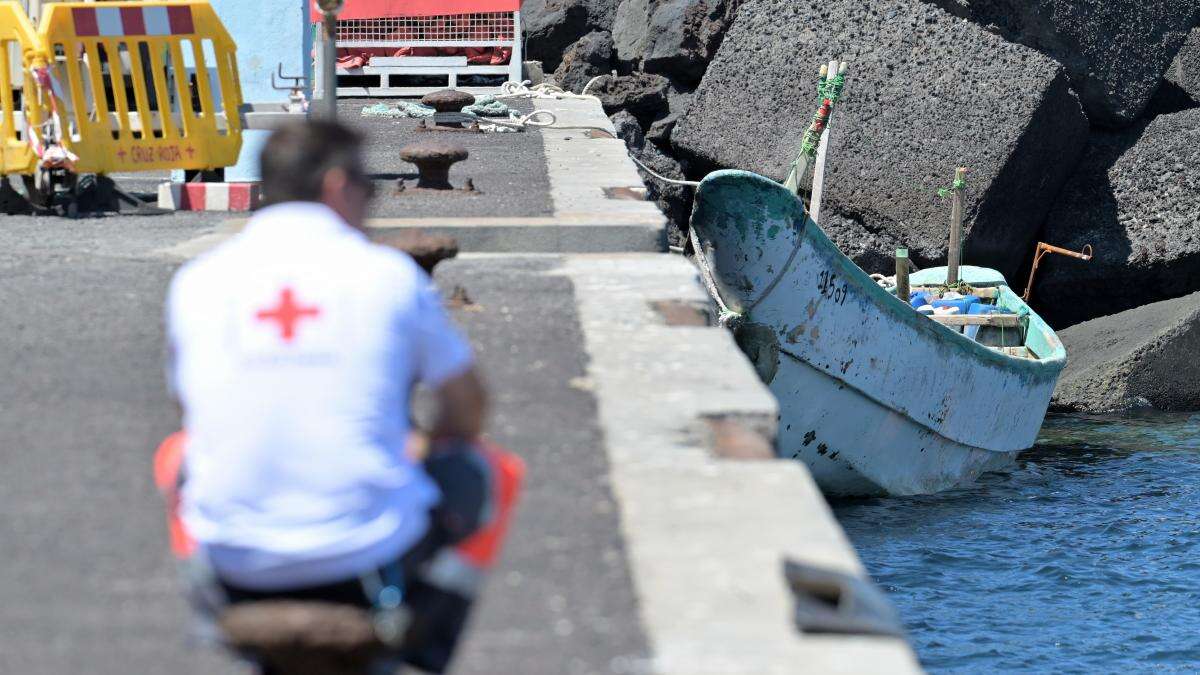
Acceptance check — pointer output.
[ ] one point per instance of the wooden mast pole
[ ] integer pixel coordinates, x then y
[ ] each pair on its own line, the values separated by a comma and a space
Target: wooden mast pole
902, 265
954, 258
836, 69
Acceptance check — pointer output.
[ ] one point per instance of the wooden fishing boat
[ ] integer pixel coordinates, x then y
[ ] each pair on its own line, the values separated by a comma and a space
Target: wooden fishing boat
874, 397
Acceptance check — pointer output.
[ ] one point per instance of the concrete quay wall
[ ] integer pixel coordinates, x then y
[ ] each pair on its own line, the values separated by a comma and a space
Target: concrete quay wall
705, 535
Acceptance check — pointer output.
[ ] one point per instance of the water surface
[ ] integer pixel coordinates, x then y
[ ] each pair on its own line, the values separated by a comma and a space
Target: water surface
1085, 557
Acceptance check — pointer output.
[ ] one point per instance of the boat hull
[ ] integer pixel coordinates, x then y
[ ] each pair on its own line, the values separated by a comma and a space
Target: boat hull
856, 447
901, 404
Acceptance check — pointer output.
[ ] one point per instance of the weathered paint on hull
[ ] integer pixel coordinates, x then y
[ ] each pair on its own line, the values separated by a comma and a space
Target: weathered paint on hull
854, 446
918, 407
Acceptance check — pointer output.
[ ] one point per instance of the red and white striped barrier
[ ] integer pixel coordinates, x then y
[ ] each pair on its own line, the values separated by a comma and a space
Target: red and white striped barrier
131, 21
209, 196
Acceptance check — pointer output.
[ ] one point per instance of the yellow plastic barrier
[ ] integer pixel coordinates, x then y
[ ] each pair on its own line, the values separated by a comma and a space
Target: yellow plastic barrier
16, 153
140, 86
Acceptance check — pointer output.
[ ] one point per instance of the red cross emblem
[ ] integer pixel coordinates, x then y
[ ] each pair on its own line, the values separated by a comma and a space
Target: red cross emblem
189, 151
288, 314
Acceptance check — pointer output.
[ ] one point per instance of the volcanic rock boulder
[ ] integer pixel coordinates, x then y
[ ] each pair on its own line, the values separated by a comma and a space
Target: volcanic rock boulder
1116, 51
674, 200
588, 57
629, 130
641, 94
676, 38
927, 92
661, 128
1136, 199
553, 25
1143, 357
871, 250
1185, 71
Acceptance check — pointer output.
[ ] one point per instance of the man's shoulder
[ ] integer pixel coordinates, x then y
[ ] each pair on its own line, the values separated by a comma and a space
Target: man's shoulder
209, 269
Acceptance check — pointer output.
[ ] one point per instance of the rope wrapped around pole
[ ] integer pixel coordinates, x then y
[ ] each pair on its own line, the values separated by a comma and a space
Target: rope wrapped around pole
830, 90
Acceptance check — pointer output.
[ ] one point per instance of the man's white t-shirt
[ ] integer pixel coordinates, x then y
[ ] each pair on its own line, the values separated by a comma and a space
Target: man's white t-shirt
294, 348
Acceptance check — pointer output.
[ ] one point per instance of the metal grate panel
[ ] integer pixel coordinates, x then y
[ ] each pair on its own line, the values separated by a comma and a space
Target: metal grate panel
482, 29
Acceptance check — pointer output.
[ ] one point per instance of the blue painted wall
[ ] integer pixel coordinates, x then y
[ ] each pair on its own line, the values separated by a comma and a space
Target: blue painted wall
267, 33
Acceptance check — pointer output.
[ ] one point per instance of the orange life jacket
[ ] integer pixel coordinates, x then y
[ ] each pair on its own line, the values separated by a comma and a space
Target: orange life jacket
481, 550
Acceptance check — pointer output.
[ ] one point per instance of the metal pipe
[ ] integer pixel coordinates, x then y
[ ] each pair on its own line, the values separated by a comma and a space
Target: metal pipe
954, 257
329, 66
1042, 249
1085, 254
330, 9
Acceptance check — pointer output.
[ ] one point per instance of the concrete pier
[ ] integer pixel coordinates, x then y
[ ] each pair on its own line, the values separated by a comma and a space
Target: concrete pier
652, 535
580, 166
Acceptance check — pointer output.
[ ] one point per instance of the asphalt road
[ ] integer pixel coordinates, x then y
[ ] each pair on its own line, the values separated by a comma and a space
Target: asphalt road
86, 583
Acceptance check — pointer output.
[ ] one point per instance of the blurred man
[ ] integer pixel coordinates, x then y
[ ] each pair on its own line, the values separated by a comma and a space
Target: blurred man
295, 347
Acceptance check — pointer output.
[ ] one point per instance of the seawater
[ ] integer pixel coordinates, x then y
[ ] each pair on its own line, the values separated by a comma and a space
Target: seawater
1083, 558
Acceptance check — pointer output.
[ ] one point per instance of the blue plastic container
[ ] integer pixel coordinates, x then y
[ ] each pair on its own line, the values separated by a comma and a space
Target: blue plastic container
918, 298
980, 308
964, 304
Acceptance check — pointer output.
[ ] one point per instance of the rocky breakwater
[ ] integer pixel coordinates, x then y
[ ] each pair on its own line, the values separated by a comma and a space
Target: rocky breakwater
929, 92
650, 56
1135, 198
1078, 120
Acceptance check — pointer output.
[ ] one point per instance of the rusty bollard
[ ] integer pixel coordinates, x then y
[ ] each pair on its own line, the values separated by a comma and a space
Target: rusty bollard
447, 101
433, 160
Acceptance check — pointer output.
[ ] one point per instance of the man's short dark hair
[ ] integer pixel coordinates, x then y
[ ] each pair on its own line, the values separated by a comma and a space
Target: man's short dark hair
297, 157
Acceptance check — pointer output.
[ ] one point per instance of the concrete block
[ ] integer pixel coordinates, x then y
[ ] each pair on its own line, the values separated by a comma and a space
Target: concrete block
1134, 197
927, 92
1115, 51
1185, 70
1140, 358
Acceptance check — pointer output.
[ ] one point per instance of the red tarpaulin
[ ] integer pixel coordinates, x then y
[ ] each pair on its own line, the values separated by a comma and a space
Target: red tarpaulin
376, 9
476, 56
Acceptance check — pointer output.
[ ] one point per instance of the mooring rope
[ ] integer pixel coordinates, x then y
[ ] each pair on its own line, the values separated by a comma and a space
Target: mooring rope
490, 112
545, 90
589, 84
659, 176
536, 119
728, 318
